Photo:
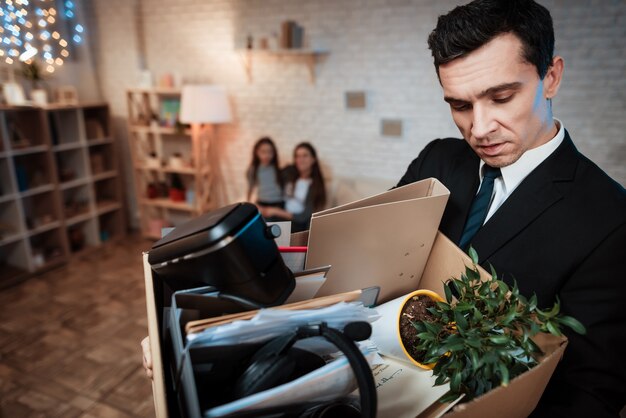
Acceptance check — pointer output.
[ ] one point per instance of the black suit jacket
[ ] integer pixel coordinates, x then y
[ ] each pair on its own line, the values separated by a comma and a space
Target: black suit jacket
562, 233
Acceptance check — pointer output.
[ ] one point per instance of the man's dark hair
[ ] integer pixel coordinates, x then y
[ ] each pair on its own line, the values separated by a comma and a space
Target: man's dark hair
467, 28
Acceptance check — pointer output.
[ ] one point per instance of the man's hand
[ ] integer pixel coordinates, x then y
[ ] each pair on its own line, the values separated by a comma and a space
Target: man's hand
147, 356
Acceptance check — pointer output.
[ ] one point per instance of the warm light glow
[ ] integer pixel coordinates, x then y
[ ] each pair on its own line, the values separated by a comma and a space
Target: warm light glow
63, 43
58, 61
50, 19
56, 35
65, 53
50, 68
9, 60
28, 54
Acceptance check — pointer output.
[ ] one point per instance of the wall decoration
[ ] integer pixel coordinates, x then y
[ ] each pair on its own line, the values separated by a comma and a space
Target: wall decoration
355, 100
67, 95
391, 127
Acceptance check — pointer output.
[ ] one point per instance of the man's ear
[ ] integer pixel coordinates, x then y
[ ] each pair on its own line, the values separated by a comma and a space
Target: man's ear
552, 80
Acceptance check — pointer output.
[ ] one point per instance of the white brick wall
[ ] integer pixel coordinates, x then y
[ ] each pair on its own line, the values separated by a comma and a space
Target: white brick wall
378, 46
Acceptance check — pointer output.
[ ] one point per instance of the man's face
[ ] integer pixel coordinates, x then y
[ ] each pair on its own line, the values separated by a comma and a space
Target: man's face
498, 101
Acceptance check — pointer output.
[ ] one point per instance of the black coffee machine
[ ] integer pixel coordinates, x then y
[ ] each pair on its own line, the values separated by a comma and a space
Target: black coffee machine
231, 249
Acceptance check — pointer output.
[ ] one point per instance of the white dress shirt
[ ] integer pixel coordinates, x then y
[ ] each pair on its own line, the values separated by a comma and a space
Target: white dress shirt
296, 203
514, 174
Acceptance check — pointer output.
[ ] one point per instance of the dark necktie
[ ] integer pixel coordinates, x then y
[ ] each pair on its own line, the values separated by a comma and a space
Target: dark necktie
480, 206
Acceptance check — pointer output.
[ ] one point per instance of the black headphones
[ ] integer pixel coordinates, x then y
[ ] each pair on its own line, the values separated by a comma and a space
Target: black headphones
278, 362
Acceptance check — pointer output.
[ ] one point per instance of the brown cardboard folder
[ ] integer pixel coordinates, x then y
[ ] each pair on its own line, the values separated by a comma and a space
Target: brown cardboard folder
383, 240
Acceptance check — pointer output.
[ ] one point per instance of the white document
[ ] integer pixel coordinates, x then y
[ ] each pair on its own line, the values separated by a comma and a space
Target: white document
294, 261
324, 384
269, 323
308, 283
404, 390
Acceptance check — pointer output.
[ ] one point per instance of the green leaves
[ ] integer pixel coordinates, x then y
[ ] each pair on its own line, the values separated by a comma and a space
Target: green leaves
448, 292
573, 323
483, 338
473, 255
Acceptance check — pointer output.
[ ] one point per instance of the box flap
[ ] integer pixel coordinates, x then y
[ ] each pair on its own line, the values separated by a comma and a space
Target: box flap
446, 261
522, 394
158, 377
381, 241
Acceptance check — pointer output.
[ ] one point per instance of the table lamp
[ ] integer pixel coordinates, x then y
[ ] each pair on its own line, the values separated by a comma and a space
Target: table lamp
204, 106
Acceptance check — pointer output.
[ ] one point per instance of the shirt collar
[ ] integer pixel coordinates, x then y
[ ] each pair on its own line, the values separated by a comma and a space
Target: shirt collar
512, 175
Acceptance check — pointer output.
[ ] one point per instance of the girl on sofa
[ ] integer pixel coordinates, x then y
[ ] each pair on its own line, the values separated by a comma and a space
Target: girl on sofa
264, 176
305, 191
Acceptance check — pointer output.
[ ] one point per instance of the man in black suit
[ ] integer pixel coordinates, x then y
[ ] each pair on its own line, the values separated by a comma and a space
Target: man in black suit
554, 221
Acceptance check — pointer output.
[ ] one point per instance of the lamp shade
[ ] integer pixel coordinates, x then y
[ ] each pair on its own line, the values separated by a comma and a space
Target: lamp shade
201, 103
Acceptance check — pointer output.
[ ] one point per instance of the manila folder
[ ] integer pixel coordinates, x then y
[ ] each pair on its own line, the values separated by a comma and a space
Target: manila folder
383, 240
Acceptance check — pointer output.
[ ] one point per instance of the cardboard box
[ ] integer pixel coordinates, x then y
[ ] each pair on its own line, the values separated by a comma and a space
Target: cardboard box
432, 259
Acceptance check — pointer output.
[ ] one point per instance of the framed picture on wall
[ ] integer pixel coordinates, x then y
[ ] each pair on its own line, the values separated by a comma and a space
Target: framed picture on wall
67, 95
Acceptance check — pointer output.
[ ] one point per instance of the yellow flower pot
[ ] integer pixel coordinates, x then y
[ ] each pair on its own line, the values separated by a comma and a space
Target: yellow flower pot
422, 292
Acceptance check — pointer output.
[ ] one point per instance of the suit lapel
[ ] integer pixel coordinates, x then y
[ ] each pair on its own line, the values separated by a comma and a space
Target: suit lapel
535, 194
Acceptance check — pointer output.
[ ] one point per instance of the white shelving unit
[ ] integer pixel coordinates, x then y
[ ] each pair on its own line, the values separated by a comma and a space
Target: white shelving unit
53, 204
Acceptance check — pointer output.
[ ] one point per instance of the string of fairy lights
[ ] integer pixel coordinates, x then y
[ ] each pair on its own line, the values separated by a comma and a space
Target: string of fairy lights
38, 30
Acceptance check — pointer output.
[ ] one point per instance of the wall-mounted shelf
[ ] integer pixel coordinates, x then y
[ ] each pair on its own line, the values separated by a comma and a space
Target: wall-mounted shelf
308, 56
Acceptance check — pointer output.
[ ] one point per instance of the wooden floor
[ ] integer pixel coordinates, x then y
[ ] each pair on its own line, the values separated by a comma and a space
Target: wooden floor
69, 339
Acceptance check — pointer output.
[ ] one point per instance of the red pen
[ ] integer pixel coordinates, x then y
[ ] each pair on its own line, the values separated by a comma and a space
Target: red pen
292, 249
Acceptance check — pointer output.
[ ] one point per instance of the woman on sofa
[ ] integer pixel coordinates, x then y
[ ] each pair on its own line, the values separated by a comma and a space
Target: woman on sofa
305, 191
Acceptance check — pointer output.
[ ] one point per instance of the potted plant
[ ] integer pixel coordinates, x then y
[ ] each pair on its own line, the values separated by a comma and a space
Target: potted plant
482, 337
32, 72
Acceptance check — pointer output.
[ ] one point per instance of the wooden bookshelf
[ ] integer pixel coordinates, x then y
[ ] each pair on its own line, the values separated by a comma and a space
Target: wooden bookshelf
155, 137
